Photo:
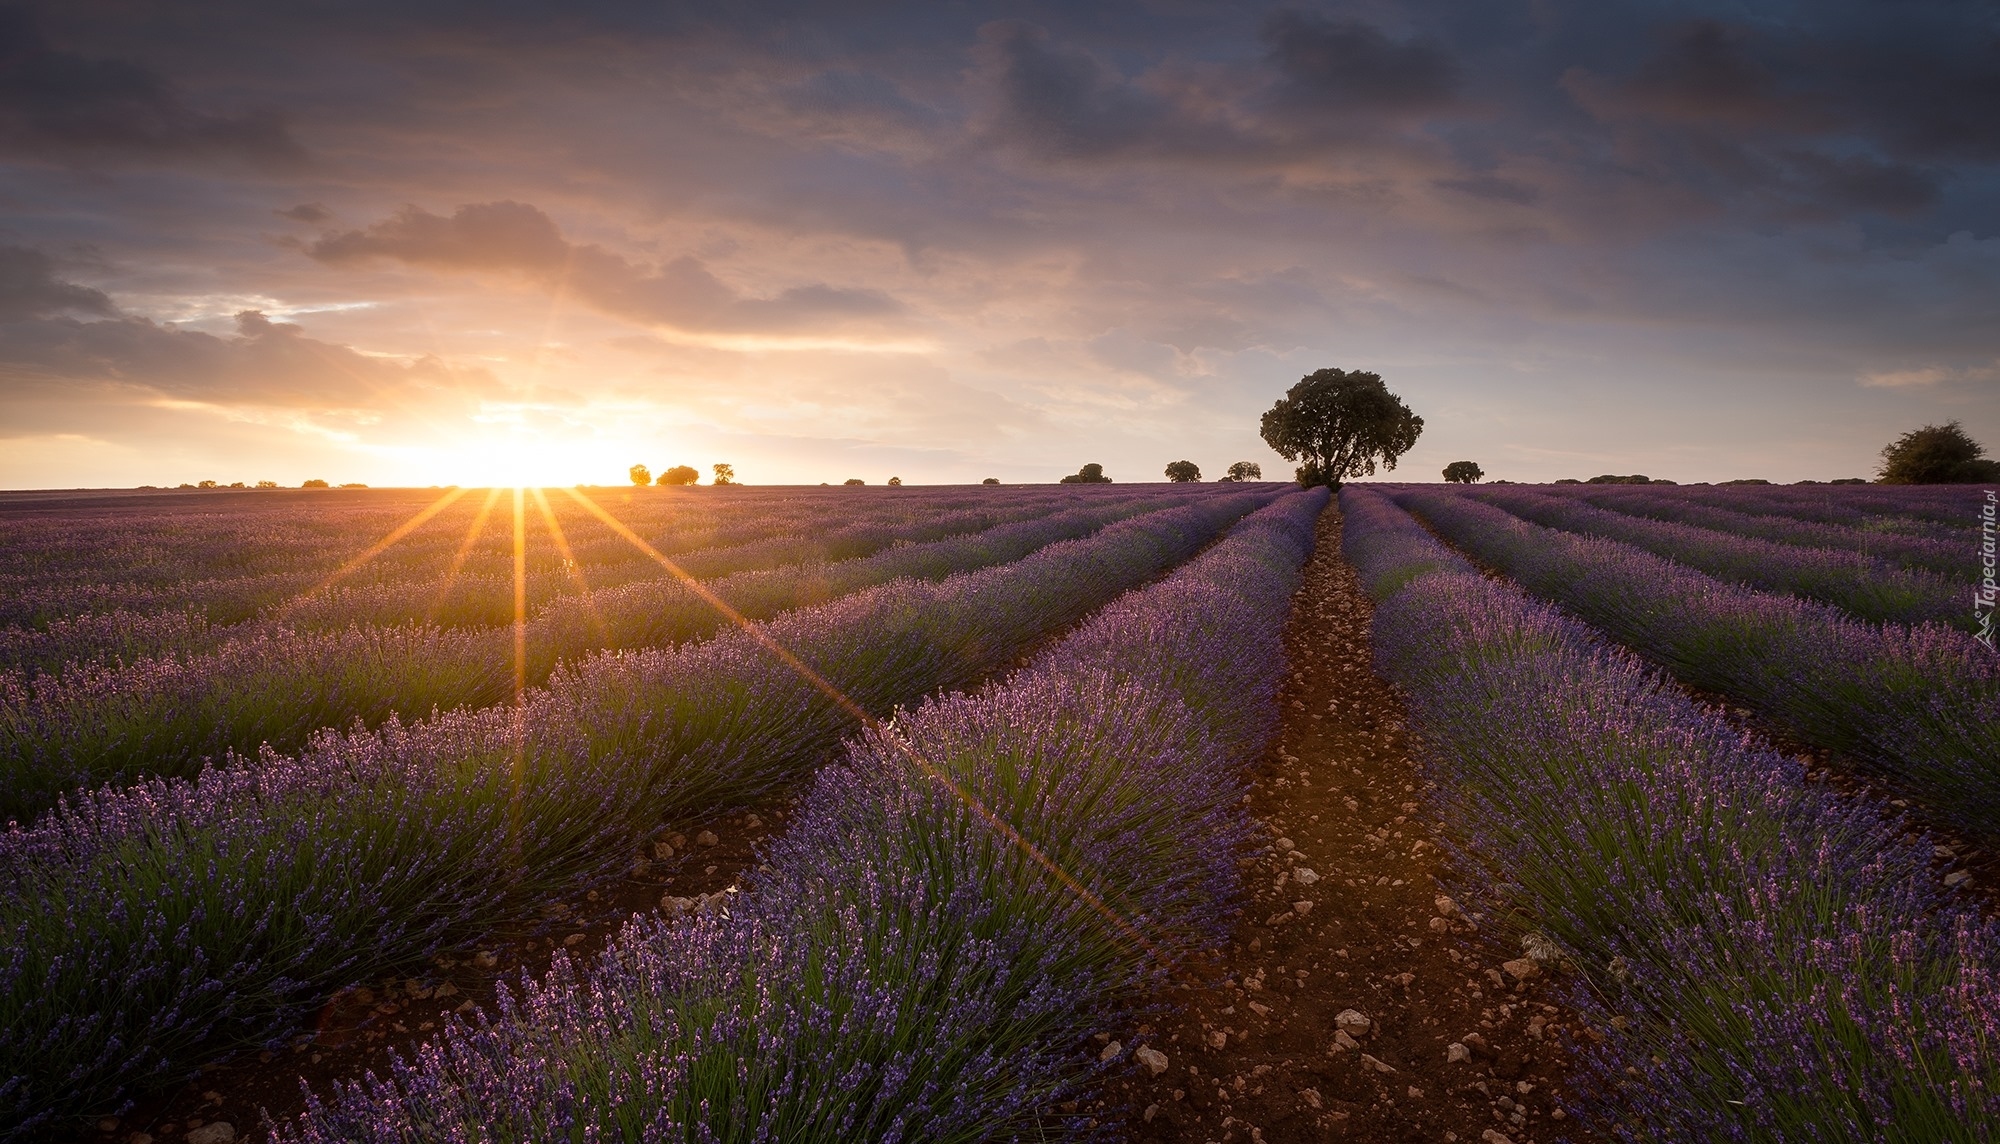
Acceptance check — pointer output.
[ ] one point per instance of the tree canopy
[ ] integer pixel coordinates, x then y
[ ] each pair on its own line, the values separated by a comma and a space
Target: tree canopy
1463, 472
1341, 424
1936, 455
1245, 471
1091, 474
990, 481
640, 474
1183, 471
680, 475
725, 474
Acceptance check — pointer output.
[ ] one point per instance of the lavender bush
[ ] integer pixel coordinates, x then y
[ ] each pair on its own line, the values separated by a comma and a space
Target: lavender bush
1796, 969
1919, 706
1951, 558
148, 928
167, 717
910, 968
1861, 584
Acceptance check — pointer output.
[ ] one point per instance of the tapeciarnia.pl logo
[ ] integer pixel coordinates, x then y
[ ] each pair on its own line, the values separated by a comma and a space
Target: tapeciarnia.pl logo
1984, 595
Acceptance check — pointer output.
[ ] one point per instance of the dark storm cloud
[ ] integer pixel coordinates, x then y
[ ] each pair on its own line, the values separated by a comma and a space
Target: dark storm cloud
66, 106
268, 364
517, 238
1058, 100
1349, 67
30, 289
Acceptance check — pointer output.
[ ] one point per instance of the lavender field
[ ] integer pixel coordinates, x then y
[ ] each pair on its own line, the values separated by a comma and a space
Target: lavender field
1730, 757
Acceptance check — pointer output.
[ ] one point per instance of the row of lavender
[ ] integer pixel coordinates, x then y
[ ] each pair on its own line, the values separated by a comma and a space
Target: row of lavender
1795, 969
143, 930
1929, 553
166, 716
1870, 588
456, 600
980, 887
447, 573
1919, 706
227, 567
1944, 512
228, 562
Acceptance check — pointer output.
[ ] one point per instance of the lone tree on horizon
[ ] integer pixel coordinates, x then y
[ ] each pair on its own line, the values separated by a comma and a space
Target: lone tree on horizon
1463, 472
725, 474
1244, 471
1091, 474
640, 475
680, 475
1936, 455
1178, 471
1341, 424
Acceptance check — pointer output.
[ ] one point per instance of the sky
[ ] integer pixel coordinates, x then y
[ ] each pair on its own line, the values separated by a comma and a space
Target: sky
437, 242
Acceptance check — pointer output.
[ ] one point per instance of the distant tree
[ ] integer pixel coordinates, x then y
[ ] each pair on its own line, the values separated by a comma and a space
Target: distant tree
1091, 474
680, 475
1615, 479
1178, 471
1936, 455
1848, 481
725, 474
205, 484
267, 484
315, 483
354, 485
895, 482
1742, 481
990, 481
1245, 471
236, 484
640, 474
1341, 424
854, 481
1463, 472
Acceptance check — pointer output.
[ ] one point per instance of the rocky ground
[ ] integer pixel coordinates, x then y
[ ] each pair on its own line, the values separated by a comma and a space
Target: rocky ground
1359, 1000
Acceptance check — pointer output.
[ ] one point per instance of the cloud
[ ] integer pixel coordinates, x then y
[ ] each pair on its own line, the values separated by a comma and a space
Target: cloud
306, 212
29, 288
517, 238
268, 364
71, 108
1059, 101
1346, 67
1931, 375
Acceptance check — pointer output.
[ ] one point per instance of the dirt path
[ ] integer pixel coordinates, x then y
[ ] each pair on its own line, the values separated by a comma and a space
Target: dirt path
1357, 1002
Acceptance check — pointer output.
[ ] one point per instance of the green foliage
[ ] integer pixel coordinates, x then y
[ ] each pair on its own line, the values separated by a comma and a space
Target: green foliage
1178, 471
680, 475
1341, 424
725, 474
1937, 455
1463, 472
1091, 474
640, 475
1245, 471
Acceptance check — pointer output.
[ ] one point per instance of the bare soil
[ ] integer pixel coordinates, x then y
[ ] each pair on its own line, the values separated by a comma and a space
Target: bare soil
1351, 913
